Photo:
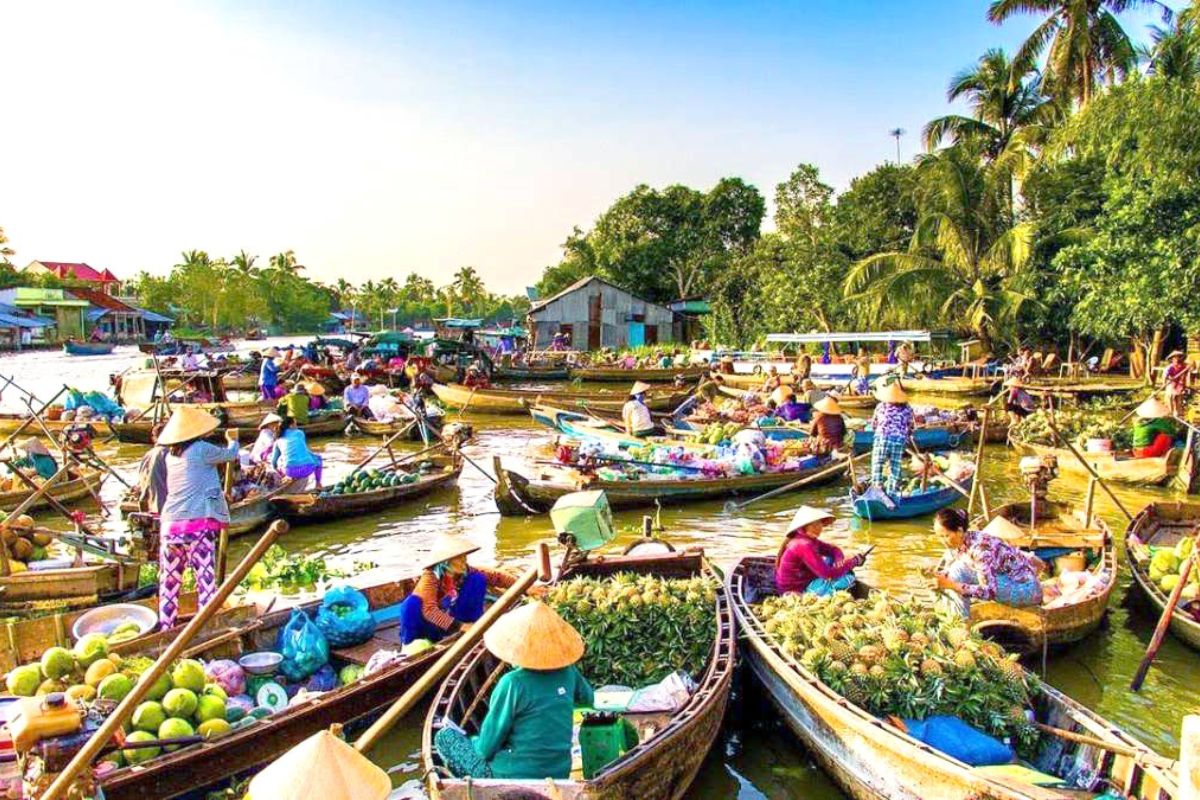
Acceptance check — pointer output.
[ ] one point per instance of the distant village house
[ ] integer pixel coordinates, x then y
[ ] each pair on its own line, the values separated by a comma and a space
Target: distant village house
595, 313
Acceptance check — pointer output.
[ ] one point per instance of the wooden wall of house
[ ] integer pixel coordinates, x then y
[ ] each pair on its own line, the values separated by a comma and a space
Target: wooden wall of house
617, 310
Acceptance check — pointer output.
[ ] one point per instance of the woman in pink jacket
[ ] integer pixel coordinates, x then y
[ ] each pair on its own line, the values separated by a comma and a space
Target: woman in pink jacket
806, 564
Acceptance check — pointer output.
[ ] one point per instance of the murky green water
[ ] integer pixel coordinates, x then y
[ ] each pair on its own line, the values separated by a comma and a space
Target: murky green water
756, 757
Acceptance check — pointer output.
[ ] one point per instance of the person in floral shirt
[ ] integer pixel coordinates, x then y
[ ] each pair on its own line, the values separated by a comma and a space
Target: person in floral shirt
985, 567
893, 426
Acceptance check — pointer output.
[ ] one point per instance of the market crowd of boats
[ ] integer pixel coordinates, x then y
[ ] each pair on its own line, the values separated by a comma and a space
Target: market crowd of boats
608, 676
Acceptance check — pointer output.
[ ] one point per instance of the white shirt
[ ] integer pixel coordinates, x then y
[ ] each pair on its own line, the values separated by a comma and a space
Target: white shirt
260, 451
637, 417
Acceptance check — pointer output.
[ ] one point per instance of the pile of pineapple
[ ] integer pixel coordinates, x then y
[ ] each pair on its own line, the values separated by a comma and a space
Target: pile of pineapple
889, 657
639, 628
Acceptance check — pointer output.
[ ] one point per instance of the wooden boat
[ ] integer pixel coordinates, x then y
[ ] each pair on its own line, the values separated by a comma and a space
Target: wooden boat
10, 422
1075, 389
1113, 467
517, 401
936, 496
517, 495
78, 486
1163, 524
872, 760
238, 381
531, 372
846, 401
1057, 525
648, 375
217, 760
661, 767
96, 581
372, 427
75, 348
954, 385
245, 516
315, 507
138, 431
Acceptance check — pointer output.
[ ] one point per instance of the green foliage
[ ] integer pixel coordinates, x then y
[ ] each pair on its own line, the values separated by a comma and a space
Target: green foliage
6, 252
877, 213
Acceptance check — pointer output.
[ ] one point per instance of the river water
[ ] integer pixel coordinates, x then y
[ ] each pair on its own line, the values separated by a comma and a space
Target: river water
757, 757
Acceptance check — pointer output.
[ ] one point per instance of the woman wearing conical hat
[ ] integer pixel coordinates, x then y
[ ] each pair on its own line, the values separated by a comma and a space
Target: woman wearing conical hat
828, 428
37, 457
195, 510
807, 564
527, 732
1153, 429
268, 374
449, 593
636, 414
892, 425
1175, 380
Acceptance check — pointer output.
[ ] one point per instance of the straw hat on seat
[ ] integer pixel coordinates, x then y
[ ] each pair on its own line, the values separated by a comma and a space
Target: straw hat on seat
447, 547
321, 766
1153, 408
639, 387
807, 515
186, 424
1004, 528
534, 636
34, 447
891, 393
827, 405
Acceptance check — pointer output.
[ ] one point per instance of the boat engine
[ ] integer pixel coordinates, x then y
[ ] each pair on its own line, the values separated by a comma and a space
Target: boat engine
1037, 472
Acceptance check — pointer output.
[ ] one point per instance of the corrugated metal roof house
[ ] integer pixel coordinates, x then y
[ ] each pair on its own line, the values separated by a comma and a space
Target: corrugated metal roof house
596, 313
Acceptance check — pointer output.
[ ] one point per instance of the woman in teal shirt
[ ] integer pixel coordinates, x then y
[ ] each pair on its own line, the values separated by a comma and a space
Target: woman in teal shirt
37, 457
526, 734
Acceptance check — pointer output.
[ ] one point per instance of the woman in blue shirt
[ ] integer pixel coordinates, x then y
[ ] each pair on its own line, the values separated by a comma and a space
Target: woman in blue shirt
290, 454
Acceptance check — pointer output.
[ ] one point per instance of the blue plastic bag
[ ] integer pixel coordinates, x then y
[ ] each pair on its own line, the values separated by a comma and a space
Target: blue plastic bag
303, 647
345, 617
74, 400
959, 740
323, 680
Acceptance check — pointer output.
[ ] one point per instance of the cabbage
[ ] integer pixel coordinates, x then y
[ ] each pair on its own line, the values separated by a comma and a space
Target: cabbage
1169, 582
1184, 548
1164, 562
228, 675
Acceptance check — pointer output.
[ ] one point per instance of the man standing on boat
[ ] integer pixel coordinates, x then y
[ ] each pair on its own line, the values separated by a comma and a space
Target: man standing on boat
268, 375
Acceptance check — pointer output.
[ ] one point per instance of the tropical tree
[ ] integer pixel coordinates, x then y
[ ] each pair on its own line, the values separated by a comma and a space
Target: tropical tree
966, 264
803, 204
1084, 43
1174, 52
243, 262
1008, 112
6, 252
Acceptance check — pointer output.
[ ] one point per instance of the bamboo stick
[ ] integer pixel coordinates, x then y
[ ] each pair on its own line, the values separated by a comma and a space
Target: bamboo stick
465, 642
1164, 622
1152, 759
100, 738
28, 421
1088, 467
983, 427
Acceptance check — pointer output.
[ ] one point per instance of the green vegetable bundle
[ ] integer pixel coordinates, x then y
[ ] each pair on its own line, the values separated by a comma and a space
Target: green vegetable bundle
1075, 426
639, 629
892, 657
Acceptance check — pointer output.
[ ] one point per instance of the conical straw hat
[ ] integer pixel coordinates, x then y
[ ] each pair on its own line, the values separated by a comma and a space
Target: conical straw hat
1004, 528
827, 405
271, 352
315, 388
891, 392
639, 387
807, 515
781, 395
270, 419
34, 447
534, 636
449, 546
321, 766
1153, 408
186, 424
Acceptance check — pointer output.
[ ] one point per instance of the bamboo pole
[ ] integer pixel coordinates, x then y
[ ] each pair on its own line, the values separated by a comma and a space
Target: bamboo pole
1091, 471
223, 537
1145, 756
53, 501
456, 651
983, 427
1164, 622
807, 479
28, 421
1089, 504
58, 789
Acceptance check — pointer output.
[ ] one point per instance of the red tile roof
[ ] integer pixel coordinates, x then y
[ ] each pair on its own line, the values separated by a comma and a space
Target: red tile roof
67, 270
101, 300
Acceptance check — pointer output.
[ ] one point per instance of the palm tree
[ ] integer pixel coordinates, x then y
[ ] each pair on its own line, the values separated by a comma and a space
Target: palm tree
285, 263
966, 260
468, 286
193, 259
1174, 53
1006, 105
243, 262
1085, 43
6, 252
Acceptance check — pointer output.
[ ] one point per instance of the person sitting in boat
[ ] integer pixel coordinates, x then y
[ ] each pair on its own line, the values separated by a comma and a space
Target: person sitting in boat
809, 393
1175, 381
664, 361
1153, 429
859, 378
294, 404
1017, 402
788, 408
356, 397
528, 729
190, 361
636, 414
449, 592
905, 357
290, 455
475, 378
268, 374
772, 381
268, 432
804, 563
316, 396
802, 369
892, 425
423, 382
828, 429
725, 365
37, 458
980, 565
151, 485
770, 414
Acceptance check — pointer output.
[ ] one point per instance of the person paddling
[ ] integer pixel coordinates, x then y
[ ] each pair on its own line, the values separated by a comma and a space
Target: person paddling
892, 425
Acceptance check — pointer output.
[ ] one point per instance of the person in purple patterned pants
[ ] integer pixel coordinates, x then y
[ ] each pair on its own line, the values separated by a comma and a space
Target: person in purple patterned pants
195, 510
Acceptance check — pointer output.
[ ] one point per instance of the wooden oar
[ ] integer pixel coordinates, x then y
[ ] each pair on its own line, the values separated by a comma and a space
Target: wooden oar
848, 466
1164, 622
1075, 452
384, 446
1147, 757
466, 640
83, 759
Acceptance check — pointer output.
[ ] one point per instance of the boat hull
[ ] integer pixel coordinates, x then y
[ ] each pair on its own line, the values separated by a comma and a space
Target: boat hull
619, 375
299, 509
909, 507
1133, 471
65, 492
88, 348
1182, 518
518, 401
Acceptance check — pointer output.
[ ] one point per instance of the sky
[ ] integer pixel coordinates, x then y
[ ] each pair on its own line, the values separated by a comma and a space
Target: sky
381, 138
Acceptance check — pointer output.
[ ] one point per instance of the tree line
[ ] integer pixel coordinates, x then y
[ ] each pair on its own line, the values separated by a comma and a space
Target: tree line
1065, 204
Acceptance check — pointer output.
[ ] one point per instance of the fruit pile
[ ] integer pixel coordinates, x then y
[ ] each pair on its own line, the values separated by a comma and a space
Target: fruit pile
84, 673
717, 432
183, 702
1164, 565
892, 657
639, 629
23, 543
369, 480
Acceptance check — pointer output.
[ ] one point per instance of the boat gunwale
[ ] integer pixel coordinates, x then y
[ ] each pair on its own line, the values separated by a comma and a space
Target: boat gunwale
1185, 629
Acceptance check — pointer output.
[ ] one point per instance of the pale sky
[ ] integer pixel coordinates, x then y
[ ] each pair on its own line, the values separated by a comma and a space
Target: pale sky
379, 138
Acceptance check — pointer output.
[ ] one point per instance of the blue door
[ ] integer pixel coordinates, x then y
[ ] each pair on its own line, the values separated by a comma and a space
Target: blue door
637, 334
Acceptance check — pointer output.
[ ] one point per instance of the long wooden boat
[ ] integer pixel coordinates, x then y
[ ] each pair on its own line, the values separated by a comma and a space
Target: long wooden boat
1054, 624
921, 504
648, 375
1163, 524
927, 437
138, 431
537, 372
10, 422
846, 401
74, 348
872, 760
1113, 467
1075, 389
238, 381
409, 427
80, 485
96, 581
245, 516
517, 495
954, 385
319, 506
673, 746
517, 401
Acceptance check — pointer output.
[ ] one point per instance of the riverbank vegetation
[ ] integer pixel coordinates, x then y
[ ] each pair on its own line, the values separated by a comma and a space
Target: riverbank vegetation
1066, 203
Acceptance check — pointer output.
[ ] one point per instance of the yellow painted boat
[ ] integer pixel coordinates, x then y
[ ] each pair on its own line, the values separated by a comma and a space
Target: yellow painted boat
519, 401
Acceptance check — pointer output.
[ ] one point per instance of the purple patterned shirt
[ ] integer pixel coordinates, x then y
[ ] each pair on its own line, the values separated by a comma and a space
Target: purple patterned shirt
992, 558
893, 419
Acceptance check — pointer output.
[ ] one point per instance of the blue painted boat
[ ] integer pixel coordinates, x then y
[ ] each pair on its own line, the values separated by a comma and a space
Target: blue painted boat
928, 439
936, 496
74, 348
